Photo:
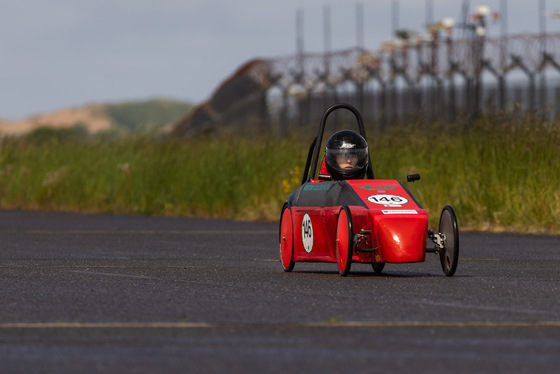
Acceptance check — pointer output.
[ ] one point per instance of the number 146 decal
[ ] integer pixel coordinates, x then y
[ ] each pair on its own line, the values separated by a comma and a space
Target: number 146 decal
388, 200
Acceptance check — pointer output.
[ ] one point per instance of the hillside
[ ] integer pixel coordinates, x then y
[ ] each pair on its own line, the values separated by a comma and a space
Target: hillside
128, 117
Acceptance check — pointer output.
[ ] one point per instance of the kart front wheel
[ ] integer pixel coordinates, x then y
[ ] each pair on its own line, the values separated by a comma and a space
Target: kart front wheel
449, 255
287, 239
344, 241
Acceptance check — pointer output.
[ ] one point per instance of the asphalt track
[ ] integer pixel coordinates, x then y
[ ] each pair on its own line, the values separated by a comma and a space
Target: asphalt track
114, 294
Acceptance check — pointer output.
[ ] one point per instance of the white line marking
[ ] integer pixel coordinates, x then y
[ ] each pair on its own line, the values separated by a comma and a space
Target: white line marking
110, 274
192, 325
145, 232
101, 325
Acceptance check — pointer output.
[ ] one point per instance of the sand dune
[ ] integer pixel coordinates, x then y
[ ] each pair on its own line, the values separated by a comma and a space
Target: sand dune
91, 116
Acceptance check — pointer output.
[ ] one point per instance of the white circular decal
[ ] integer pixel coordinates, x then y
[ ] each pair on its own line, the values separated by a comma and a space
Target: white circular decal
307, 233
388, 200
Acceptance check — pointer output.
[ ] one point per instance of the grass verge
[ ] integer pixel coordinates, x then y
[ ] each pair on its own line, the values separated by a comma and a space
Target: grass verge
501, 177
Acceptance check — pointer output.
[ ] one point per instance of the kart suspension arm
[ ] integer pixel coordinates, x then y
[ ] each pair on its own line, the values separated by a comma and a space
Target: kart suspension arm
438, 239
362, 236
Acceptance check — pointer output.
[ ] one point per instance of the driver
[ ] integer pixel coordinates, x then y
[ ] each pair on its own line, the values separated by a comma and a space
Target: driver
346, 155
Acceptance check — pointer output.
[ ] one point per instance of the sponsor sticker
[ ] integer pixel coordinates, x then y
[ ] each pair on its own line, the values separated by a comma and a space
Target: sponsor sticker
307, 233
388, 200
378, 188
347, 145
317, 187
399, 211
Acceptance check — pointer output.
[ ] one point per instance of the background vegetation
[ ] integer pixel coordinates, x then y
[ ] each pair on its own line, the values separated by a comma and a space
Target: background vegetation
499, 175
145, 116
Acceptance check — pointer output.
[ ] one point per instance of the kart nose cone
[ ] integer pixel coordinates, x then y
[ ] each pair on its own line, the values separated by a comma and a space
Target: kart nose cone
402, 239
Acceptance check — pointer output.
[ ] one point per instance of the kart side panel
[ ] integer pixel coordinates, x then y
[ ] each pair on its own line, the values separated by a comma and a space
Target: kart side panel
314, 233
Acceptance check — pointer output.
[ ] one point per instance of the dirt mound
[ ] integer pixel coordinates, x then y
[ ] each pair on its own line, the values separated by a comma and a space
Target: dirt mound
92, 117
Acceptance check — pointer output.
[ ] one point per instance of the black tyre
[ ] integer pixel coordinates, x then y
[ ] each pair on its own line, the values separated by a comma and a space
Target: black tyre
449, 255
378, 267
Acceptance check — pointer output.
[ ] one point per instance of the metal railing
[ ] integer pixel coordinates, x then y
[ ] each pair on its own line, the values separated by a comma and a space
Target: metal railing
447, 80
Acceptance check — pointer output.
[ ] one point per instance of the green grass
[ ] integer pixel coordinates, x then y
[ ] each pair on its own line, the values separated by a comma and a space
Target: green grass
498, 177
239, 179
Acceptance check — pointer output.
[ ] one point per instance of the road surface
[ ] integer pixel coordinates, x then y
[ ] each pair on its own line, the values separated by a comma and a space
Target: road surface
102, 293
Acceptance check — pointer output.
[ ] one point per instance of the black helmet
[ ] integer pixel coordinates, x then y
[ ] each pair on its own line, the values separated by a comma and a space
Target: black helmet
347, 155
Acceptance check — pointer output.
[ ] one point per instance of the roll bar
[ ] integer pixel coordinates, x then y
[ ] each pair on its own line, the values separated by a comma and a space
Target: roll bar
313, 155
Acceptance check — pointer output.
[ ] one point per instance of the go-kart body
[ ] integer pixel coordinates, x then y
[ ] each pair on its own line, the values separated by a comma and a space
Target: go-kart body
391, 225
363, 220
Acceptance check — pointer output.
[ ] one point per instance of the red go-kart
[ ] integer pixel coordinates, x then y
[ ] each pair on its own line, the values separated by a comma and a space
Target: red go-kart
366, 220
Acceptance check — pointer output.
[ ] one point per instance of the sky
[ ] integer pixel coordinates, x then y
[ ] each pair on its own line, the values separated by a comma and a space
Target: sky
56, 54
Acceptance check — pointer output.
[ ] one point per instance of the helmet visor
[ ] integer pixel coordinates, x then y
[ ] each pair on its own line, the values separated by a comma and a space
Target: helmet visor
347, 159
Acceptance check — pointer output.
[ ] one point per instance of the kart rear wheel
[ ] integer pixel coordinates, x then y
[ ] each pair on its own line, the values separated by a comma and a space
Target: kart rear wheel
449, 255
344, 241
287, 239
378, 267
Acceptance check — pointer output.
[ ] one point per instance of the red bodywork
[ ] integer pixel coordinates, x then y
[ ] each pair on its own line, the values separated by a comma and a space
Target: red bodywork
392, 227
